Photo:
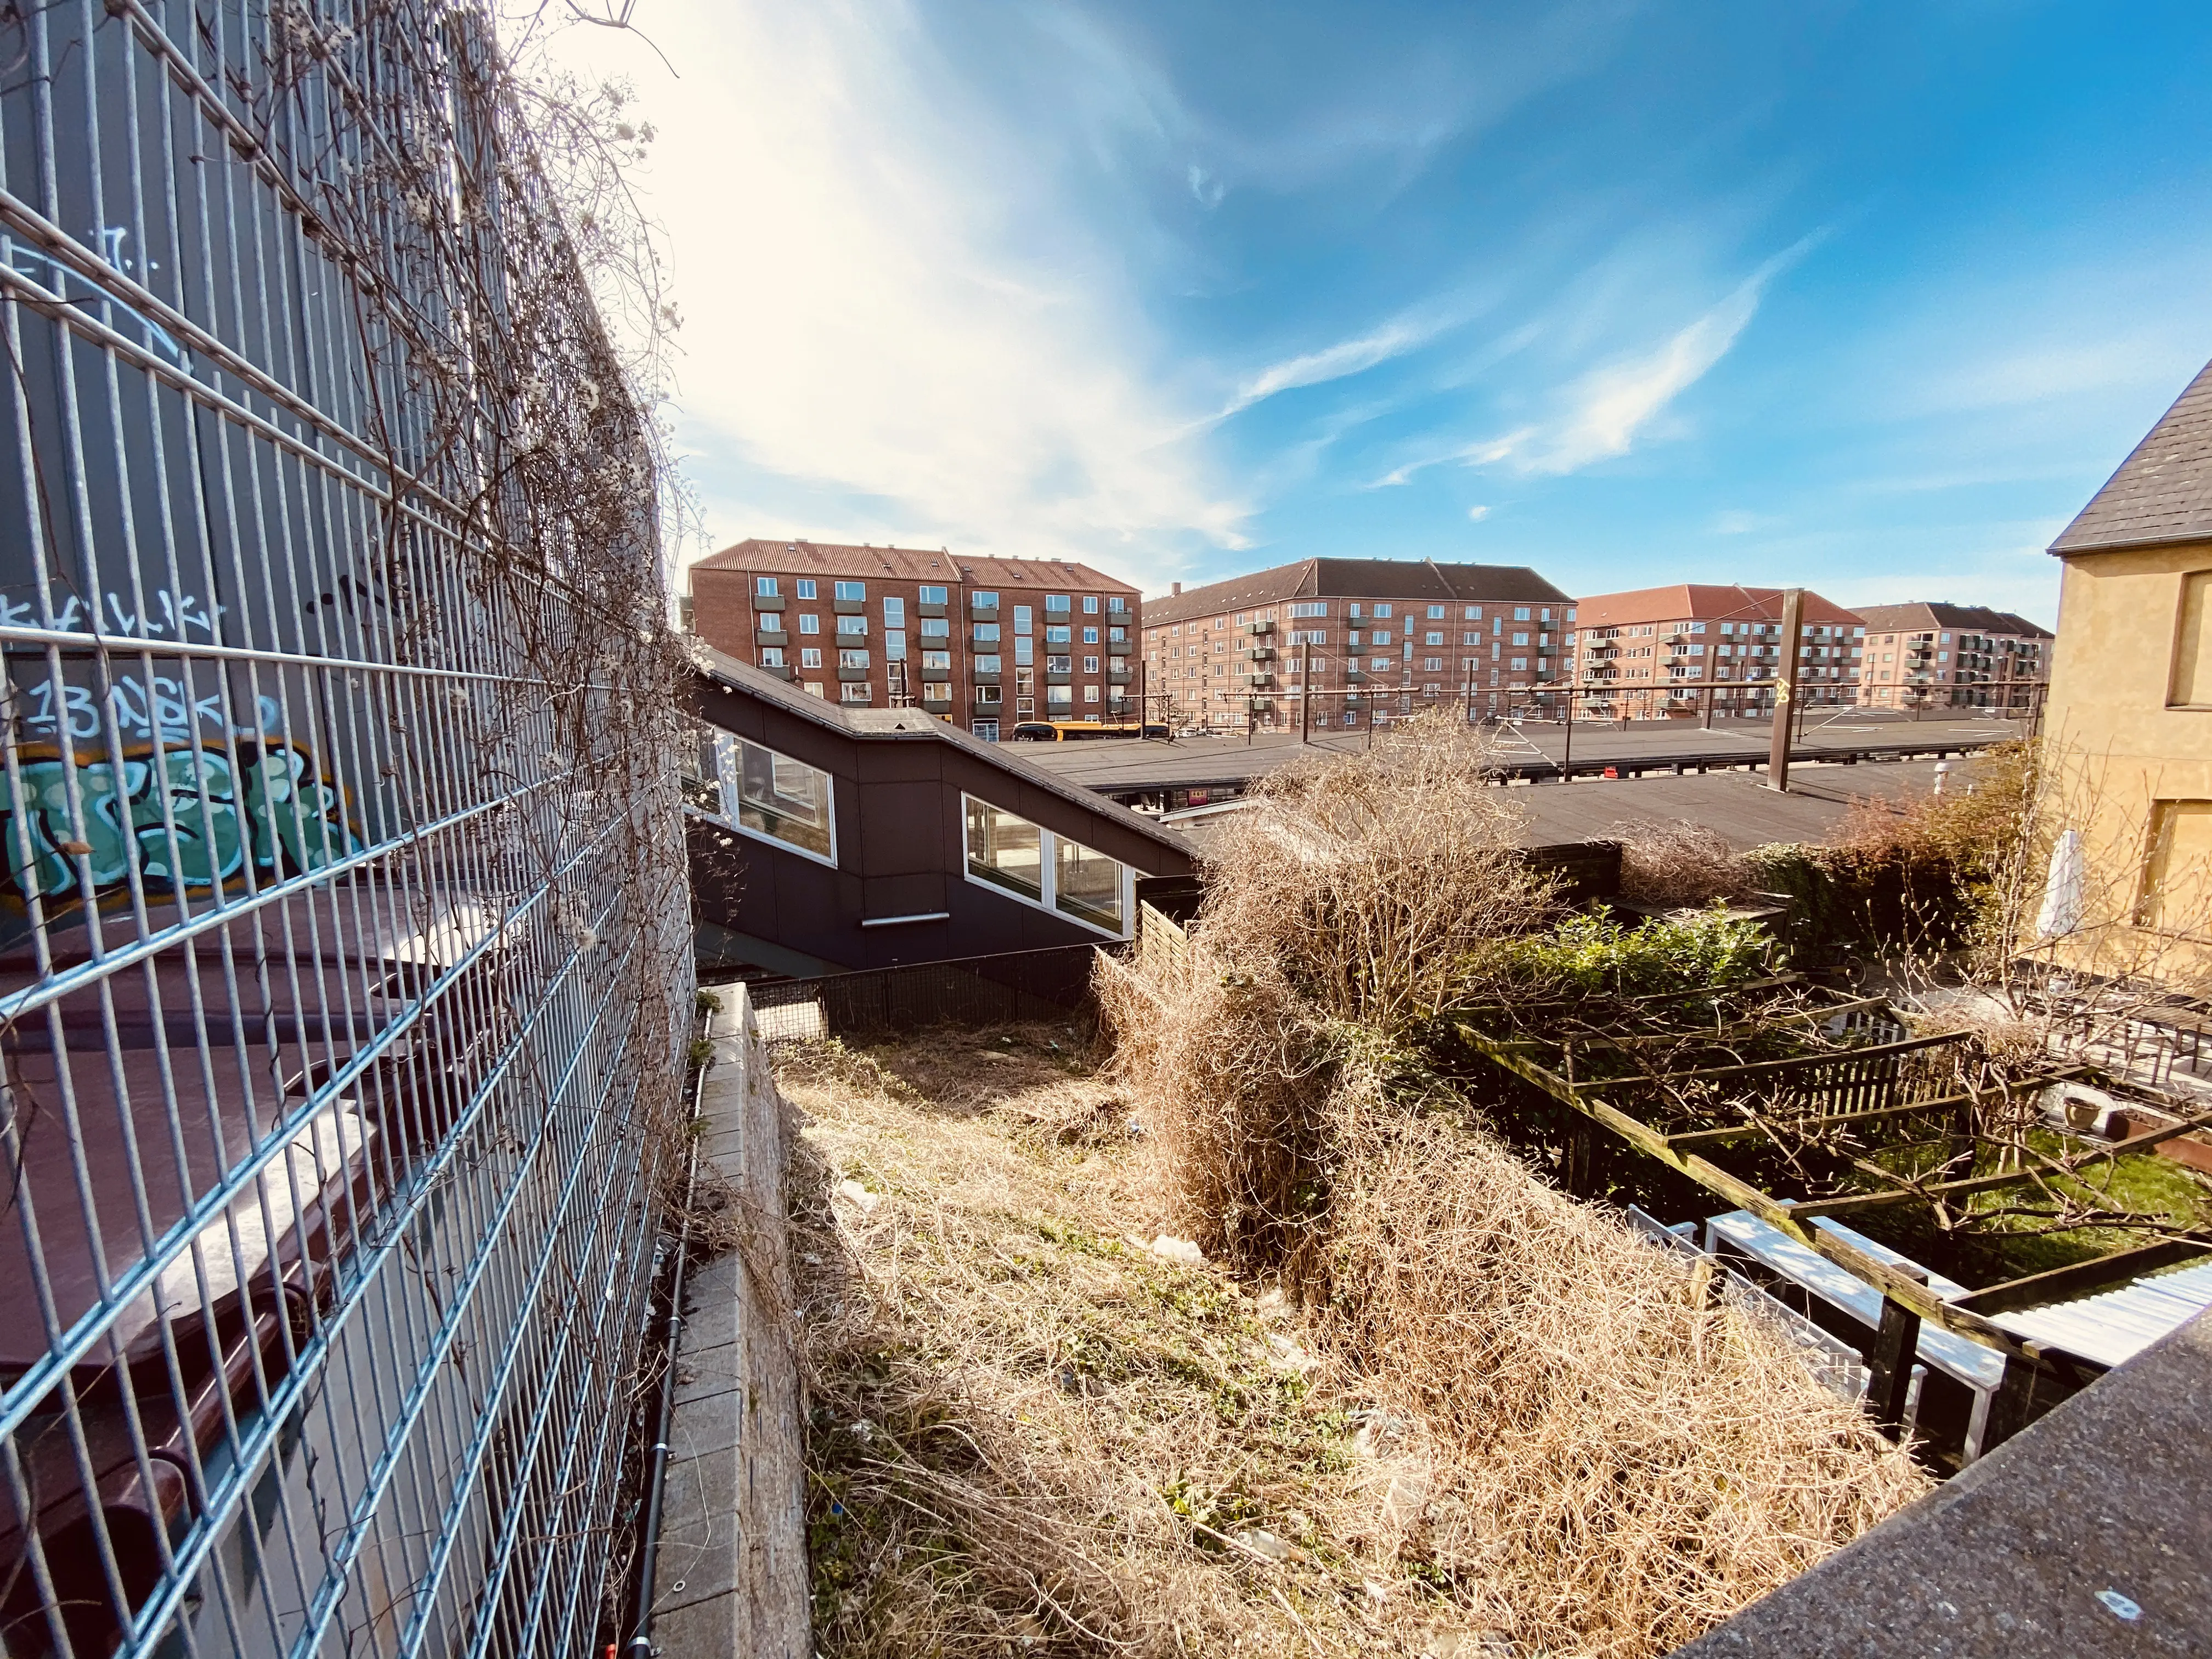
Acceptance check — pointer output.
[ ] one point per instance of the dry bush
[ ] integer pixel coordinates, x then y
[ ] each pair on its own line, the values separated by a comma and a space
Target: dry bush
1678, 863
1616, 1467
1351, 899
1608, 1468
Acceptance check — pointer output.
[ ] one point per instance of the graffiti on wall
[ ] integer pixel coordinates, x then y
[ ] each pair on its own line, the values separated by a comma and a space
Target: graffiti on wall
191, 816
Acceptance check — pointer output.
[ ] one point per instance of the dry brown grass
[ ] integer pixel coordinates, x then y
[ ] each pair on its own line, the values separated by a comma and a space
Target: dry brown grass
1599, 1464
1028, 1434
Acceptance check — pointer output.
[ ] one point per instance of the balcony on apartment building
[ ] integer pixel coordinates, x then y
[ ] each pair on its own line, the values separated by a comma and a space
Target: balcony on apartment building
983, 607
1261, 652
767, 601
852, 607
1119, 673
1259, 630
770, 631
1117, 647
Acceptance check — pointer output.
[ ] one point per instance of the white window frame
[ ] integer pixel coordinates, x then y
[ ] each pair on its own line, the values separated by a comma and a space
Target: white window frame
728, 768
1048, 873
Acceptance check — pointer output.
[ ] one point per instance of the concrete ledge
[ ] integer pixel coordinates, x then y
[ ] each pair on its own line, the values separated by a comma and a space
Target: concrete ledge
2088, 1534
732, 1579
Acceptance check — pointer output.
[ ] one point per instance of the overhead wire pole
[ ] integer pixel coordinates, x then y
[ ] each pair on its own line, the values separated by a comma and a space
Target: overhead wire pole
1785, 688
1305, 691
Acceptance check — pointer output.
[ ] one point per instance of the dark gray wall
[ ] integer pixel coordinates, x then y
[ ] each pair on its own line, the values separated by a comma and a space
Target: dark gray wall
900, 852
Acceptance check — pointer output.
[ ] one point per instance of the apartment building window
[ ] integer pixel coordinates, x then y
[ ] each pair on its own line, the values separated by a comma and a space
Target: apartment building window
931, 595
760, 792
1433, 637
1059, 664
1116, 605
852, 660
987, 696
856, 691
1090, 605
936, 662
980, 600
1378, 665
1310, 608
2176, 896
1520, 613
809, 623
988, 664
1056, 604
1380, 611
894, 613
1091, 692
1381, 637
986, 633
1472, 613
894, 645
1091, 665
1058, 636
1022, 614
1025, 652
1059, 697
809, 656
853, 626
1432, 664
2190, 683
806, 586
936, 627
1436, 613
849, 592
764, 587
1118, 635
771, 656
1090, 636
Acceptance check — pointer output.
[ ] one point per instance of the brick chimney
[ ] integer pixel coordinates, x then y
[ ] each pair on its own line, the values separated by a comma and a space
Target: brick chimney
1175, 589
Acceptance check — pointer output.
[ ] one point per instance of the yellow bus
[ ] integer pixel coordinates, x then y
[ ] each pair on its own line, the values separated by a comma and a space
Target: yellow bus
1079, 731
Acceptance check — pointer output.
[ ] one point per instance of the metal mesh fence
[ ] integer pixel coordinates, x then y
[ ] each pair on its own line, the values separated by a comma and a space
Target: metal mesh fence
341, 980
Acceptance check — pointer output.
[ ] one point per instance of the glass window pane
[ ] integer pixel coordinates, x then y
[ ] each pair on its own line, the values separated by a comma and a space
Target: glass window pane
1087, 884
1005, 850
783, 798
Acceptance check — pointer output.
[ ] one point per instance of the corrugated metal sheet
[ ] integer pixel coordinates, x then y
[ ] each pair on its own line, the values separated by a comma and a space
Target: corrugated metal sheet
2115, 1326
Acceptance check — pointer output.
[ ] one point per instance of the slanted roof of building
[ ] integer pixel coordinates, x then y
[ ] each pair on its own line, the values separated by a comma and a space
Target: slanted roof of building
1701, 602
914, 726
839, 562
1921, 614
2163, 490
1412, 580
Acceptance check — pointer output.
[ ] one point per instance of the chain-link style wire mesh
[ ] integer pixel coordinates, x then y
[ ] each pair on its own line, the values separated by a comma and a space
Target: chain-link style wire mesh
342, 981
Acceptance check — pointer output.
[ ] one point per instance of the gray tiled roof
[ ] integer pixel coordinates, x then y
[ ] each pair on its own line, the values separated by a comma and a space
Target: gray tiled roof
1939, 613
2163, 491
1412, 580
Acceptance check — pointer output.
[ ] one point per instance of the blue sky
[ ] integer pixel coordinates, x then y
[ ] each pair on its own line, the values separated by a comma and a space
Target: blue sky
1866, 296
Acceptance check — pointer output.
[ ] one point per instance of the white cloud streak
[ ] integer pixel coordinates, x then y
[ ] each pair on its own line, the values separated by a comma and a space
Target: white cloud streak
894, 313
1335, 362
1608, 410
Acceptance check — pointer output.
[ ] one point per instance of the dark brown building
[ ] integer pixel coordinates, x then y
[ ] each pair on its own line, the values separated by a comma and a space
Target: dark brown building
825, 837
1380, 636
981, 643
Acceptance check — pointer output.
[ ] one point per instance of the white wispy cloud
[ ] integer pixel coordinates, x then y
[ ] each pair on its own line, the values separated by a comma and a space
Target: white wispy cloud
893, 305
1608, 408
1477, 514
1335, 362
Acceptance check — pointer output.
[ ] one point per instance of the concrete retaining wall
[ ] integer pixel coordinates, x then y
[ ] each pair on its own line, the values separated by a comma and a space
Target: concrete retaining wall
733, 1576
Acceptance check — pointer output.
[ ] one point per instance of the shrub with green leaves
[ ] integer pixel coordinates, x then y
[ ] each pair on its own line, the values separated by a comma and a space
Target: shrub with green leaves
1584, 956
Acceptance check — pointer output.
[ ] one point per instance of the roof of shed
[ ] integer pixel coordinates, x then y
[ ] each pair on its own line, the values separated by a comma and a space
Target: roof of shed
917, 726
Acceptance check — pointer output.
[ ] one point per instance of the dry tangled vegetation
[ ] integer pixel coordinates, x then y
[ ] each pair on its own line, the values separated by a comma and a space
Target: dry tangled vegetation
1414, 1401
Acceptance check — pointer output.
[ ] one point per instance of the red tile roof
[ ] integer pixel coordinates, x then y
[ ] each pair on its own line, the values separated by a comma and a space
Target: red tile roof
912, 564
1700, 602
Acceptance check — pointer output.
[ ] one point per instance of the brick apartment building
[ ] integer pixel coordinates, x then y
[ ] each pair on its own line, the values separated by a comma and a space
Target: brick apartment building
980, 642
1932, 655
1646, 652
1382, 635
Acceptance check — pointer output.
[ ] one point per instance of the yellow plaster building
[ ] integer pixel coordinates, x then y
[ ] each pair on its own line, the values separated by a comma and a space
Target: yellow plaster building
2128, 724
